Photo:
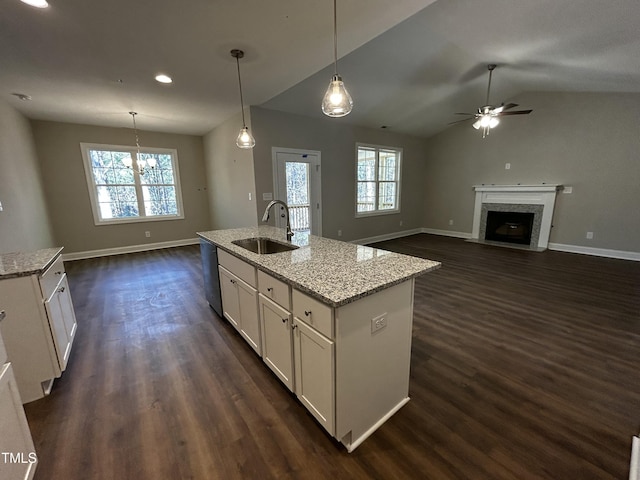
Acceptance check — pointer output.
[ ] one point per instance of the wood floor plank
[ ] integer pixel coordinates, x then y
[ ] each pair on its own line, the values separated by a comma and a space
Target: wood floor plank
524, 366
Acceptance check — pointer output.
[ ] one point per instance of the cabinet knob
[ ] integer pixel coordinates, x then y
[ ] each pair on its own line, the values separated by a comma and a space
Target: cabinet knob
61, 289
3, 314
293, 327
58, 273
307, 312
269, 289
284, 320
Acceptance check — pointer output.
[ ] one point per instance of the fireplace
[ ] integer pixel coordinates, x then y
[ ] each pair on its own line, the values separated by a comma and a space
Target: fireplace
514, 214
510, 227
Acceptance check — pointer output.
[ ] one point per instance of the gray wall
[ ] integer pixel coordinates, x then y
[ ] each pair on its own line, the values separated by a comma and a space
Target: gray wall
588, 141
336, 140
58, 147
230, 177
24, 221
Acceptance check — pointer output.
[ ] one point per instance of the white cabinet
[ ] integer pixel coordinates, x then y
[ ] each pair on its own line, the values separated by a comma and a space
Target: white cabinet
39, 329
240, 307
18, 458
62, 319
314, 372
277, 347
240, 297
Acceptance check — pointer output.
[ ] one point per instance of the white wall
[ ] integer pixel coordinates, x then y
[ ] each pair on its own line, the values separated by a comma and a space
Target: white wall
24, 220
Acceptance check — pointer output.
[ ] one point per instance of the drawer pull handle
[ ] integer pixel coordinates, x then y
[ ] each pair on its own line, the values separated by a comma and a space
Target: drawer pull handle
232, 281
269, 289
58, 273
61, 289
284, 320
307, 312
293, 327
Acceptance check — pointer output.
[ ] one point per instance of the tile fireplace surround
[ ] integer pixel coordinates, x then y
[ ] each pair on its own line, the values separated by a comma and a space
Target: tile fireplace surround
536, 199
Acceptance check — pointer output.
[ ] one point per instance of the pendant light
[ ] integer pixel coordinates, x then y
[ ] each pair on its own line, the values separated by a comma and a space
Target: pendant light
245, 139
336, 102
140, 162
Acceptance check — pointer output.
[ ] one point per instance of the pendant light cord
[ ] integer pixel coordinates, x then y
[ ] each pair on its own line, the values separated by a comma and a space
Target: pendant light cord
135, 130
335, 37
244, 125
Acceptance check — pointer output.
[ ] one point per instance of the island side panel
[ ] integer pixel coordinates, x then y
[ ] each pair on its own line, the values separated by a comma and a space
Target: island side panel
372, 368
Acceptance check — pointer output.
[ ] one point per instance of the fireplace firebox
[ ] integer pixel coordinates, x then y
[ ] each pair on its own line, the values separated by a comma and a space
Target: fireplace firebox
509, 227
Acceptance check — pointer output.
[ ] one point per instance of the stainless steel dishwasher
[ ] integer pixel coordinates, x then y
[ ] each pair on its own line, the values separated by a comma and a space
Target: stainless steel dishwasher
209, 254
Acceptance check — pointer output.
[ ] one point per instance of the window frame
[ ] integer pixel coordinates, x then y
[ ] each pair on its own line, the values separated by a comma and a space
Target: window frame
398, 181
142, 217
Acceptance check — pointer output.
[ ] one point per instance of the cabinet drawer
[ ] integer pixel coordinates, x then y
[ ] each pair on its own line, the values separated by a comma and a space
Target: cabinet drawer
51, 277
274, 289
313, 312
239, 268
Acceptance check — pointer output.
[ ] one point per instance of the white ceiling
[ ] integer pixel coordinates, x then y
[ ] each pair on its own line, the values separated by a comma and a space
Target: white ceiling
409, 64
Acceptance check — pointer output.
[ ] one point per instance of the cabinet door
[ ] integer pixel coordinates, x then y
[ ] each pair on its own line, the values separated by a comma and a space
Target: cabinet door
249, 321
15, 439
277, 351
230, 299
62, 320
315, 379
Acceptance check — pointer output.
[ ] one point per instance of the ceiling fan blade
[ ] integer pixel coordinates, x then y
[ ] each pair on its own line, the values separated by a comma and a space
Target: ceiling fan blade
460, 113
508, 106
460, 121
518, 112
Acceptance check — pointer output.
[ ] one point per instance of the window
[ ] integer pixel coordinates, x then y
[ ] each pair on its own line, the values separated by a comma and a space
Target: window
120, 194
377, 180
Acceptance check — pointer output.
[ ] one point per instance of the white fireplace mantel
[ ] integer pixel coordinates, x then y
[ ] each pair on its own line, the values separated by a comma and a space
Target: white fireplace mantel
542, 194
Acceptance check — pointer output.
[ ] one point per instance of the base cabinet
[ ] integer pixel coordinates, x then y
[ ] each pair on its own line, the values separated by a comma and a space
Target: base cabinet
39, 329
17, 455
239, 306
277, 346
314, 372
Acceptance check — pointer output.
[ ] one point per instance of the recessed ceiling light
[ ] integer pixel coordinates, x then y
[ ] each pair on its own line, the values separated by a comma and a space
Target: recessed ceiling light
36, 3
162, 78
22, 96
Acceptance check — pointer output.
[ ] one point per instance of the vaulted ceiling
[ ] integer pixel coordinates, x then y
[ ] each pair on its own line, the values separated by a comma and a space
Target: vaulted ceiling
409, 64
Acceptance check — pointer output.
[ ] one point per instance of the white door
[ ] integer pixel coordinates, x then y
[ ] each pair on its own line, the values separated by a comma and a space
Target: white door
297, 181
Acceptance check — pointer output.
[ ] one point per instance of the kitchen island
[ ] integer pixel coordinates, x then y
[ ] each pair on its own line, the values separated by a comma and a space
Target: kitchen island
331, 319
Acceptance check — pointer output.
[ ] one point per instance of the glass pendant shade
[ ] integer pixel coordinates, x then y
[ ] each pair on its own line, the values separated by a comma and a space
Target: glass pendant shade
127, 161
337, 102
151, 161
245, 139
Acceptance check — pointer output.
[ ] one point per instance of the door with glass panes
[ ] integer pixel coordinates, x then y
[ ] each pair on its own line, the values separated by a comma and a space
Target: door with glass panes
297, 182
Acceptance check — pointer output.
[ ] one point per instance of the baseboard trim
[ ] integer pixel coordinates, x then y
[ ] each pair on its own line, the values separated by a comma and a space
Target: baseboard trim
105, 252
386, 236
598, 252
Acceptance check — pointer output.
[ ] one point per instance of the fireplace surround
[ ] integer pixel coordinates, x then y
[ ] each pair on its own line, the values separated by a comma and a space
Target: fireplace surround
538, 200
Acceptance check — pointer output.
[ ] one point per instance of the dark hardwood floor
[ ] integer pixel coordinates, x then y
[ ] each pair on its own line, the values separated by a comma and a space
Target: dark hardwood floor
524, 366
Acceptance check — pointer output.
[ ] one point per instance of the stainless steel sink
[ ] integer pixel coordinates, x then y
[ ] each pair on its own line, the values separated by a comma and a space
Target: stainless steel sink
263, 245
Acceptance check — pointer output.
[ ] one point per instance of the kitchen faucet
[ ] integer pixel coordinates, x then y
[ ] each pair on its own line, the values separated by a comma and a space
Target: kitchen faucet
265, 217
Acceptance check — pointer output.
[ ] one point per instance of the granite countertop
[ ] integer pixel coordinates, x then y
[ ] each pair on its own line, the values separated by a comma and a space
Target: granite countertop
20, 264
334, 272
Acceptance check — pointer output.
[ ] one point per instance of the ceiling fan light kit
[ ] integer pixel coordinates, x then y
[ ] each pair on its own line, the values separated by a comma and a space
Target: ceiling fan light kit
336, 101
487, 116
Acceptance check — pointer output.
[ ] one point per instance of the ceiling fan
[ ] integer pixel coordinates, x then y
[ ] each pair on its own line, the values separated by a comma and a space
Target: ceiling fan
487, 116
